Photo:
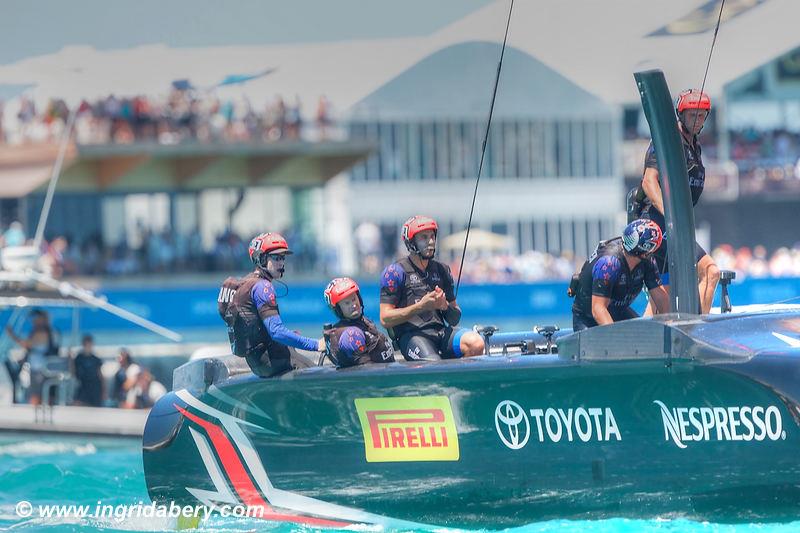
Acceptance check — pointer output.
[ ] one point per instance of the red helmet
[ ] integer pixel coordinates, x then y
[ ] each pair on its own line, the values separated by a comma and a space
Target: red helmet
692, 99
267, 243
339, 289
414, 225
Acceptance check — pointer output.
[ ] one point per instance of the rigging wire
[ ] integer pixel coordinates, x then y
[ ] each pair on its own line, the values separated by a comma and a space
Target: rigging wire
710, 53
483, 148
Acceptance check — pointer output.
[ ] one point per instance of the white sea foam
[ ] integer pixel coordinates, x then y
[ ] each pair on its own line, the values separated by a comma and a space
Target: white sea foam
36, 449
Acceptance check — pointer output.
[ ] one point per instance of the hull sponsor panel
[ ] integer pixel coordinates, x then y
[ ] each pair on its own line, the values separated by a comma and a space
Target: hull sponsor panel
515, 426
685, 425
408, 429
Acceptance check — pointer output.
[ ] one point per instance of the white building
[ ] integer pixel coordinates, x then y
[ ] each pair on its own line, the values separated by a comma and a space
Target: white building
551, 176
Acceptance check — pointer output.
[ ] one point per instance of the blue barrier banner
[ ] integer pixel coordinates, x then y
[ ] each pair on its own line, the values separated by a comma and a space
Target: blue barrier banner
196, 307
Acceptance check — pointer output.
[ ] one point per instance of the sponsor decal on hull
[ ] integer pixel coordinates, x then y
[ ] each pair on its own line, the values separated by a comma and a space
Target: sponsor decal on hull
515, 426
408, 429
239, 476
684, 425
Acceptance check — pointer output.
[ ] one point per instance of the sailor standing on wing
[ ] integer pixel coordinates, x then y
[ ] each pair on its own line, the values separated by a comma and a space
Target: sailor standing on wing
646, 201
418, 304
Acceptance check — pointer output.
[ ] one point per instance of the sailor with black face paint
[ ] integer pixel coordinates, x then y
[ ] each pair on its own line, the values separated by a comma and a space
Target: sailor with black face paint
418, 303
249, 307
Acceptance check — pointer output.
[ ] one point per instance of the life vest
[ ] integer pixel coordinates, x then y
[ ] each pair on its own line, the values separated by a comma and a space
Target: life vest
627, 287
415, 286
246, 332
637, 201
378, 348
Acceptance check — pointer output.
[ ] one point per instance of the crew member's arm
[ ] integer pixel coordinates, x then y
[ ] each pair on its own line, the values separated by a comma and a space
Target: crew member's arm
600, 310
392, 281
652, 188
652, 280
604, 276
452, 313
650, 182
280, 333
266, 302
660, 299
391, 315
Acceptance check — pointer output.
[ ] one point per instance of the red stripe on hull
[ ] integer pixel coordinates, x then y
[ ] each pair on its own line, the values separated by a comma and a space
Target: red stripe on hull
241, 481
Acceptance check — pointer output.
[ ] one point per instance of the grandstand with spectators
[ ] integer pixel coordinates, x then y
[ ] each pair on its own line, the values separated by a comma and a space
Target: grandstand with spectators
183, 151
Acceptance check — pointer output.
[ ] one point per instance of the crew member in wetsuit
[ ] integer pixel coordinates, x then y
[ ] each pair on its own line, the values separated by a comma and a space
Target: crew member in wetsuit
418, 303
613, 277
354, 339
646, 201
249, 306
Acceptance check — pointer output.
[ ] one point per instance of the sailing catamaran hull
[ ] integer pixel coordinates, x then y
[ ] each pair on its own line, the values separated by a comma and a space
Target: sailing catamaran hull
499, 440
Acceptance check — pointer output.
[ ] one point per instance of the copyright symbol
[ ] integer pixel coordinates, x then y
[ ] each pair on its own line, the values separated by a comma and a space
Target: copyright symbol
24, 509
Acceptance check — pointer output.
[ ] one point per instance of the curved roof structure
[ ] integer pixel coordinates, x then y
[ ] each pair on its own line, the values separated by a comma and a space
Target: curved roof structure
527, 88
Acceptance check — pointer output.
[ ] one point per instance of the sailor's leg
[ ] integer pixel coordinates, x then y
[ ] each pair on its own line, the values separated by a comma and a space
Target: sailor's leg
301, 359
581, 322
275, 360
471, 344
418, 347
627, 314
708, 277
259, 364
461, 342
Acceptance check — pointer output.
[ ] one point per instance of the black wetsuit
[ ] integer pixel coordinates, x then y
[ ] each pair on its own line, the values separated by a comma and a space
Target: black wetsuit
606, 274
427, 335
246, 305
641, 206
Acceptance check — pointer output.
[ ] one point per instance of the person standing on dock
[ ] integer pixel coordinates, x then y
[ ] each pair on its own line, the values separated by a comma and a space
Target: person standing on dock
418, 302
646, 200
121, 379
354, 339
87, 371
249, 306
614, 275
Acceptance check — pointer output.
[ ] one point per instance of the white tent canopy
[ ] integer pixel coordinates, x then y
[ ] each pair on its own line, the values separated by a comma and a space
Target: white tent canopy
479, 241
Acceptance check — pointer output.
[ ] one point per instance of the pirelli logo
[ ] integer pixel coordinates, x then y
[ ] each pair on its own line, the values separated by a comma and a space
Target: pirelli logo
408, 429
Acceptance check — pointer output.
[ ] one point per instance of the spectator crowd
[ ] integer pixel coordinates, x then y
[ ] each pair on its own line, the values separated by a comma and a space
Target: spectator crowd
165, 252
184, 115
158, 252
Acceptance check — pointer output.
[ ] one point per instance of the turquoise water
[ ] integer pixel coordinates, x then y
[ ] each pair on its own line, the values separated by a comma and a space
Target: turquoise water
81, 471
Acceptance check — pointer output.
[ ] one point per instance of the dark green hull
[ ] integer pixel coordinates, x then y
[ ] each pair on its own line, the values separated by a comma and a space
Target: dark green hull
501, 440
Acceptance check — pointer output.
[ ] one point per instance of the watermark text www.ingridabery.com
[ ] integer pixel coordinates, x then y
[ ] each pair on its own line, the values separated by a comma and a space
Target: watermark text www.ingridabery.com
26, 509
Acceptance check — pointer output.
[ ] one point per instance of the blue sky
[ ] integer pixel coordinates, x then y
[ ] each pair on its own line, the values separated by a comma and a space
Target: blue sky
35, 27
